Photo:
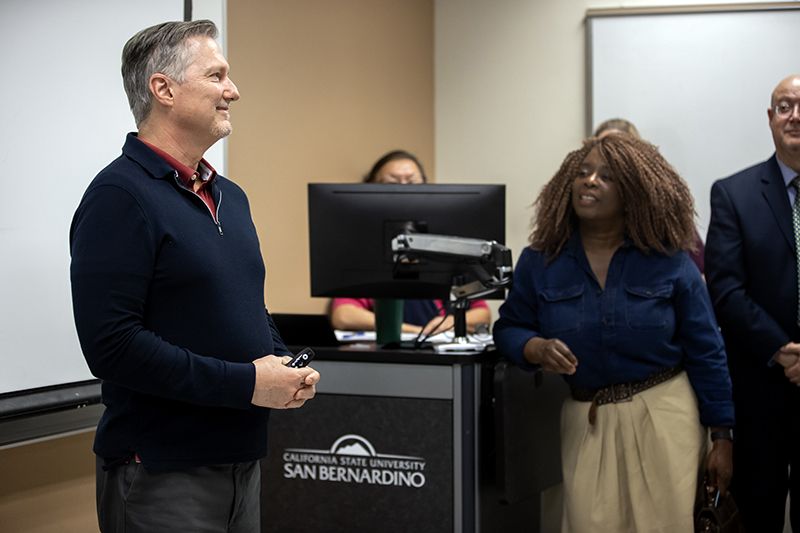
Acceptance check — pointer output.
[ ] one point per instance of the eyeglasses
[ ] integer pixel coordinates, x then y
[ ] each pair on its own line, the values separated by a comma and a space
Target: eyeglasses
785, 109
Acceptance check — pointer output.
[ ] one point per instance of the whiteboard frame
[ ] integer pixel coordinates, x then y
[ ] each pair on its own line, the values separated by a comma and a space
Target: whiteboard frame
641, 58
598, 13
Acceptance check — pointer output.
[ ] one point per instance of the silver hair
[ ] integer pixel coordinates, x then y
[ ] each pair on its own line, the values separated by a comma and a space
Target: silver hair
163, 48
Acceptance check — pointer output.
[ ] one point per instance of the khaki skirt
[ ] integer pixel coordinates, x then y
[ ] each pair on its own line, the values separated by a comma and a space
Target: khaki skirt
636, 470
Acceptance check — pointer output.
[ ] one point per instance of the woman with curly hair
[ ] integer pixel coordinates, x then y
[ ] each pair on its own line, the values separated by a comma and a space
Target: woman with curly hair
607, 296
620, 125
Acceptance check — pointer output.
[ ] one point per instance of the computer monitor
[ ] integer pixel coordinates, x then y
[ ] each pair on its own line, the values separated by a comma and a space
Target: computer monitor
351, 227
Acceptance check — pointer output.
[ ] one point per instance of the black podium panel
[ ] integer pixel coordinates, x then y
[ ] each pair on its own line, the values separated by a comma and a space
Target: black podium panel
359, 464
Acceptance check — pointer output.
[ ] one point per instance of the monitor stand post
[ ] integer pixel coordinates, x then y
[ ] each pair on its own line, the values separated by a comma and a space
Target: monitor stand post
460, 343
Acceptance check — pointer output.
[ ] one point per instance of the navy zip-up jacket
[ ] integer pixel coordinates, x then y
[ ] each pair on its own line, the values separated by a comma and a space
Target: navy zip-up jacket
169, 309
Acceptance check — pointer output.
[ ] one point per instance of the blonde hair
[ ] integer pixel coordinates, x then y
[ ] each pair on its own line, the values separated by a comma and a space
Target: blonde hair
617, 124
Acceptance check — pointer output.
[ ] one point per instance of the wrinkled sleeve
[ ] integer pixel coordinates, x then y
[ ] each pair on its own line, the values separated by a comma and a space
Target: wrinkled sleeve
113, 257
280, 346
704, 350
519, 321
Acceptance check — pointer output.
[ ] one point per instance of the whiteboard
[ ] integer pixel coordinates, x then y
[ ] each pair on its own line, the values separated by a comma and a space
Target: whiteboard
695, 84
66, 117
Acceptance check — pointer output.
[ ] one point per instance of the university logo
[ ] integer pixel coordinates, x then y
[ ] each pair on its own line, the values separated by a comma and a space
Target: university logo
353, 459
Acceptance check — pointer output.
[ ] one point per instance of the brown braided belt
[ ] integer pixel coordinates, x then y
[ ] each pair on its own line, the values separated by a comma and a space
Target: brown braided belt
623, 392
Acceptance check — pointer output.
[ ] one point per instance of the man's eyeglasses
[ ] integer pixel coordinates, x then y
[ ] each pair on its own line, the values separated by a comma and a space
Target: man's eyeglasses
785, 109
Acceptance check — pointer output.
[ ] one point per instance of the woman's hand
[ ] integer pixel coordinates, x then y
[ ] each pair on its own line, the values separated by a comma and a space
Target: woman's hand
552, 354
720, 465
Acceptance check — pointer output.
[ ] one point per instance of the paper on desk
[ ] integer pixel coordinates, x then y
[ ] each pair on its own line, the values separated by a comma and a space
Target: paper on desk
354, 336
447, 336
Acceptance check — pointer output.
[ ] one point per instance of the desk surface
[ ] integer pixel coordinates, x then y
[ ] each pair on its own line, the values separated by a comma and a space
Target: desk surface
369, 352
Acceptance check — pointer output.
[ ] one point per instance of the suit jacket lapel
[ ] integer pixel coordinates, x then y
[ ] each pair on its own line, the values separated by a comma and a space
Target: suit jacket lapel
778, 199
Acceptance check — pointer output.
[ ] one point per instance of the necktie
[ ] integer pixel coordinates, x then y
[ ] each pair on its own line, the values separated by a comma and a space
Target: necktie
796, 224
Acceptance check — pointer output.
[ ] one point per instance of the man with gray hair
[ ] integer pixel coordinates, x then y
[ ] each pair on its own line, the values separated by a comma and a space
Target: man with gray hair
168, 297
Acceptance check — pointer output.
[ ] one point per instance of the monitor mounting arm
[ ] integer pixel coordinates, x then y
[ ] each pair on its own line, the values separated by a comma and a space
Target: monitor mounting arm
488, 261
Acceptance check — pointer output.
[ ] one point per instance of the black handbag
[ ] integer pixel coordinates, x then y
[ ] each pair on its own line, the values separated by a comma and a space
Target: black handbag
715, 513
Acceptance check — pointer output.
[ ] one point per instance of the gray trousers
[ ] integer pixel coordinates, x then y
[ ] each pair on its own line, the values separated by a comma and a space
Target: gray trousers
212, 499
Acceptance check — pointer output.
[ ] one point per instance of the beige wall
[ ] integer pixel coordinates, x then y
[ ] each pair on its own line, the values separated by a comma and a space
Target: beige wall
48, 487
327, 88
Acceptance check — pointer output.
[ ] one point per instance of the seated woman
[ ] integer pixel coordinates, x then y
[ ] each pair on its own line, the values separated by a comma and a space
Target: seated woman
426, 316
607, 296
620, 125
395, 167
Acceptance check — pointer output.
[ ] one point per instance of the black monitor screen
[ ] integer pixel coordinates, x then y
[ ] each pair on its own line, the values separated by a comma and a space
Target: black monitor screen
351, 227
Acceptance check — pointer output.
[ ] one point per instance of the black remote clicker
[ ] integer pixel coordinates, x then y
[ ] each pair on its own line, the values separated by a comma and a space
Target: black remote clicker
302, 358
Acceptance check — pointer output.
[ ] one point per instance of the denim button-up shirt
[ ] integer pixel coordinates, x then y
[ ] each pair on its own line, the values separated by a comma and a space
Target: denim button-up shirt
653, 312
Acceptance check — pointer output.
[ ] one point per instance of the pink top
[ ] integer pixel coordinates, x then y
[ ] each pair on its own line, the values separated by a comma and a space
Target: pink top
369, 304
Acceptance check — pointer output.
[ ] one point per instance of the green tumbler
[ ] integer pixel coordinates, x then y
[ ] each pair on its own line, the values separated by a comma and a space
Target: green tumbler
388, 320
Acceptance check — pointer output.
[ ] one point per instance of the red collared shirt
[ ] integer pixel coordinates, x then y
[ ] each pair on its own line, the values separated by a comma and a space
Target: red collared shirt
205, 173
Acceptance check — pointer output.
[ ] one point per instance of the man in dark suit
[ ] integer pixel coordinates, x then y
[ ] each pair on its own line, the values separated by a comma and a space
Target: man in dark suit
752, 272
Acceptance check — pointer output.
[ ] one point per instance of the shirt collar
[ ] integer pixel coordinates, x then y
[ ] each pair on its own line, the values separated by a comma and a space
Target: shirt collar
787, 173
575, 243
205, 172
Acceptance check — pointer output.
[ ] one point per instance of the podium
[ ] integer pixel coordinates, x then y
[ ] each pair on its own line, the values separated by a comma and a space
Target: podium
401, 440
